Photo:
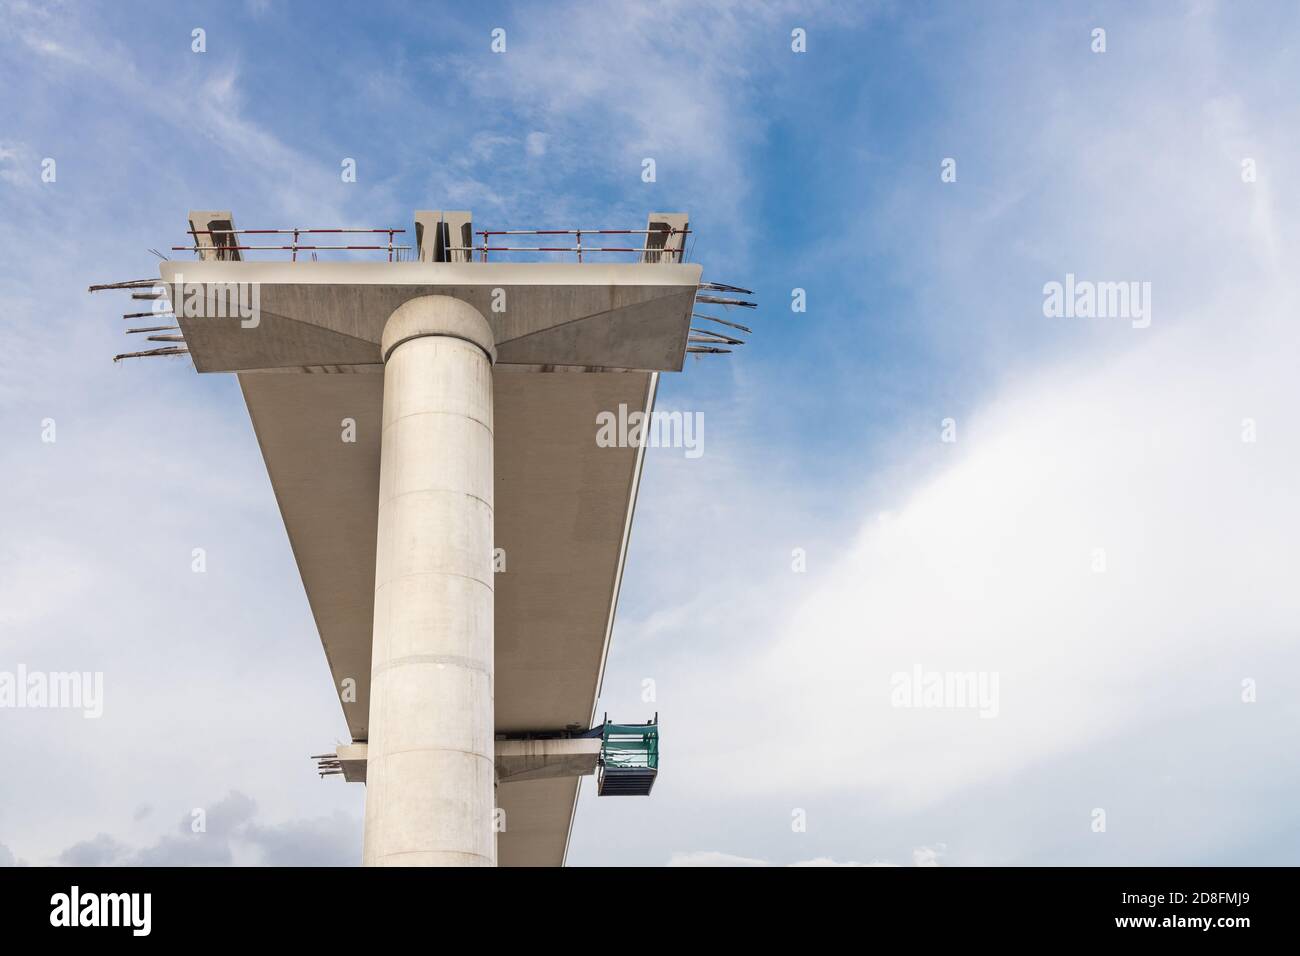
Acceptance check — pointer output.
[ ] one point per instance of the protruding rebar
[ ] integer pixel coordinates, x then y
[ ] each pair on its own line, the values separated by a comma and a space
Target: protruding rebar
151, 353
718, 300
714, 318
723, 287
129, 284
716, 337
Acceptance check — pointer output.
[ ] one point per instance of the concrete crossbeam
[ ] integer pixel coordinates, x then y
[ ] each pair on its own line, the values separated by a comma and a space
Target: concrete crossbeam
516, 760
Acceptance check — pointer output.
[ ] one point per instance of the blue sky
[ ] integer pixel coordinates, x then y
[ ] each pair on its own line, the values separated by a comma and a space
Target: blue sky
818, 171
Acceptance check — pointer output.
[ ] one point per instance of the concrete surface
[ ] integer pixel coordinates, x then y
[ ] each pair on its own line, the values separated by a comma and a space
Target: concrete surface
430, 785
571, 341
516, 760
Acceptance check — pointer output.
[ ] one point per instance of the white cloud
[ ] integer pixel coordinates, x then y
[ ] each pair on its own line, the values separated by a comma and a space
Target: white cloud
712, 858
927, 855
204, 106
827, 861
772, 682
679, 82
923, 856
978, 556
232, 834
988, 567
19, 166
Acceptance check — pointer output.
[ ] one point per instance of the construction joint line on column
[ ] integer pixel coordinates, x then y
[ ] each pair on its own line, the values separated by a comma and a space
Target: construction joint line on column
448, 660
471, 418
492, 359
440, 491
448, 574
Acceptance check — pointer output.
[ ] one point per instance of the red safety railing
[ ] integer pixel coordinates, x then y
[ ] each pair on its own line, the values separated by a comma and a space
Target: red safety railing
656, 251
224, 241
394, 251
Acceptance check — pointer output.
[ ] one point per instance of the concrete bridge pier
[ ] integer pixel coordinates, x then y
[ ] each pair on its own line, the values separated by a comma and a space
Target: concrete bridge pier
430, 778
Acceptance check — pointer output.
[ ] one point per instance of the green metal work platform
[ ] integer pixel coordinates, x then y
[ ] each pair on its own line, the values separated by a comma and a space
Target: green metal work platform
629, 759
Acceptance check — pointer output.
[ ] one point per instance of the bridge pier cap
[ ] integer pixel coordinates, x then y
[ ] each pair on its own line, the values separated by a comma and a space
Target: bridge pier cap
437, 315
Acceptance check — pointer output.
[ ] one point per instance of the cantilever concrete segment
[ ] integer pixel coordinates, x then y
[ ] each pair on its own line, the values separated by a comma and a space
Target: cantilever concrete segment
324, 314
572, 341
430, 779
517, 761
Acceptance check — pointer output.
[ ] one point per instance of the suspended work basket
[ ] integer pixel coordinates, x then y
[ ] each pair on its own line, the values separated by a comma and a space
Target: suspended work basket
629, 759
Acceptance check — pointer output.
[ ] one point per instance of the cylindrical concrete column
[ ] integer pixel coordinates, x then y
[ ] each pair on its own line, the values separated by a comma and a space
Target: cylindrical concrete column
430, 774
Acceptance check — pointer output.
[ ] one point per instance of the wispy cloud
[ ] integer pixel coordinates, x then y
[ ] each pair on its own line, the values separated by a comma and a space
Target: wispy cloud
925, 303
1079, 446
227, 833
923, 856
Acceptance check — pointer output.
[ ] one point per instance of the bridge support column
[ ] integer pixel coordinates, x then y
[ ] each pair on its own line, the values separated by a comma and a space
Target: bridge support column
430, 777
